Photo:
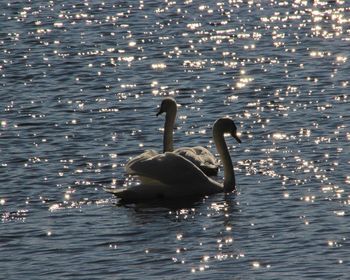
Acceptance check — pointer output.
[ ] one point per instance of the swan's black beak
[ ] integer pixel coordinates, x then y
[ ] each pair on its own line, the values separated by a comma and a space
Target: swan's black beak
160, 112
234, 135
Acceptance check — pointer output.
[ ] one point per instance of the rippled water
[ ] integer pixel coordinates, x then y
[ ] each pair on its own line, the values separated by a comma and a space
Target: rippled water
79, 87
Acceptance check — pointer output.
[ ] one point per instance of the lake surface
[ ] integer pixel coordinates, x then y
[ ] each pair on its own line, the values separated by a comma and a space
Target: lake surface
80, 83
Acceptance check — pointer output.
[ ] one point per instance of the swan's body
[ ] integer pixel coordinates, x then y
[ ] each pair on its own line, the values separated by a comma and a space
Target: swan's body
170, 175
198, 155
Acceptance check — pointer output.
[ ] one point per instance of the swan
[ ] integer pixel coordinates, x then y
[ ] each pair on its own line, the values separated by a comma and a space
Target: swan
171, 176
198, 155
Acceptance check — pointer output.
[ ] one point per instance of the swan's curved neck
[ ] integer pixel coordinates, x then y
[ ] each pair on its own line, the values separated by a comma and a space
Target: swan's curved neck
168, 129
229, 175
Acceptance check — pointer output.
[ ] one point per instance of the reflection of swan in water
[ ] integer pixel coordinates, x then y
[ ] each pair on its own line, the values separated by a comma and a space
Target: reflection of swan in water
169, 175
198, 155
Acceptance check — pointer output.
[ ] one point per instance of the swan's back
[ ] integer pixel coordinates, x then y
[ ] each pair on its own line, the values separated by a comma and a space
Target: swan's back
201, 157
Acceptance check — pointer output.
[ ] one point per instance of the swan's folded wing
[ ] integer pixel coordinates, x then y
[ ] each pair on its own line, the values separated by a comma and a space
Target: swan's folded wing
201, 157
168, 168
144, 156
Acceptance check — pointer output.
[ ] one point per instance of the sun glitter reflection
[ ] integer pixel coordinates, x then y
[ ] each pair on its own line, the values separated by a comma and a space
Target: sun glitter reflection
339, 213
279, 136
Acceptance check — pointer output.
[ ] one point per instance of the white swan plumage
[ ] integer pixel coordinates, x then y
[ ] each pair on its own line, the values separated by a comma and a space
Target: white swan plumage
170, 176
198, 155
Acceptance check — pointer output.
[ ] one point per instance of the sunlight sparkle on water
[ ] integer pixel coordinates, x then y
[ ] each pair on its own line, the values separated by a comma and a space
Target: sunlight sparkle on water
286, 195
339, 213
179, 236
158, 66
54, 207
81, 83
279, 136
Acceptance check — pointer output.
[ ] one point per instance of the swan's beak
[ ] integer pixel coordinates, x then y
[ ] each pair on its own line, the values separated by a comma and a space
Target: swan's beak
161, 111
234, 135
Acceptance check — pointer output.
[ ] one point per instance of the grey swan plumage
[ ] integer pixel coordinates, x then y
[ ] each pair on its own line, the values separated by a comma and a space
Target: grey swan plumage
171, 176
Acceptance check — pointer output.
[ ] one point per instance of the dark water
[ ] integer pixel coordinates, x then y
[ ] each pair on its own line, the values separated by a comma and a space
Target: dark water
79, 87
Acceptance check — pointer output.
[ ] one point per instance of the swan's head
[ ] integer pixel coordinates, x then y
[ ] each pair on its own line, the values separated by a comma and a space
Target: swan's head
168, 104
226, 126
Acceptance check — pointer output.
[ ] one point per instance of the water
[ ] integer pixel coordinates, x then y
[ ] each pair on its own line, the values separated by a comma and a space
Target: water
80, 85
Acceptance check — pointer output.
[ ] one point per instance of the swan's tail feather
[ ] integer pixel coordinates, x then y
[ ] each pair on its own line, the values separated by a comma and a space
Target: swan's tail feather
137, 194
123, 194
114, 191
